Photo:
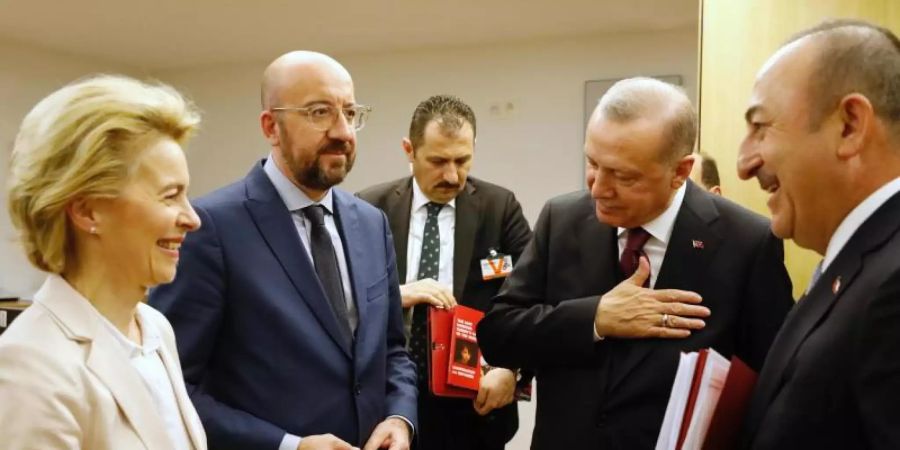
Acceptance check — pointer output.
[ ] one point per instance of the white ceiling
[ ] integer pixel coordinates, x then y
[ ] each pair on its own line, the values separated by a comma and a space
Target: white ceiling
167, 34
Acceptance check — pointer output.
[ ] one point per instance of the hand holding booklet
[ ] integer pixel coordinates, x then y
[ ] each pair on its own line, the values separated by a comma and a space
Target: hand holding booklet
706, 407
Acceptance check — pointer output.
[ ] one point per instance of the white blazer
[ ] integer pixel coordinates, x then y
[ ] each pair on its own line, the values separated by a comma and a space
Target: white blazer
65, 383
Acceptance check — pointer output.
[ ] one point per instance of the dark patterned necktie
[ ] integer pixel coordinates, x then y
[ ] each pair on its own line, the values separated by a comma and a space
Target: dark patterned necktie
429, 264
634, 248
327, 268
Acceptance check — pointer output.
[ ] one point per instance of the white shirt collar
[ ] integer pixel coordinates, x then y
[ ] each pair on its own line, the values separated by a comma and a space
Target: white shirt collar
419, 199
661, 227
150, 336
855, 219
291, 195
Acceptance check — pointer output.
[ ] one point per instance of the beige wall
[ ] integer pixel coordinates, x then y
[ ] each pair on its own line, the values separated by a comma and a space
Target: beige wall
534, 150
736, 39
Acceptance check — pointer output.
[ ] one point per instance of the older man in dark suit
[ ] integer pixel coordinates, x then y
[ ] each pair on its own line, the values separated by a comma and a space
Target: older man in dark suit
824, 140
620, 279
468, 220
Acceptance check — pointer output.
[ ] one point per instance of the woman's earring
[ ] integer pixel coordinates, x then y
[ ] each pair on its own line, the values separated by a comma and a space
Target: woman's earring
93, 230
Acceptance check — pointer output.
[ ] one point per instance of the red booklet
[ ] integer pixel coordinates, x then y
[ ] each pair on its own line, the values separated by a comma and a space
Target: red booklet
444, 348
465, 367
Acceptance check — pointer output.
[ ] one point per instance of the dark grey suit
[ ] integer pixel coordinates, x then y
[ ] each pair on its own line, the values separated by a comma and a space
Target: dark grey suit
612, 394
832, 378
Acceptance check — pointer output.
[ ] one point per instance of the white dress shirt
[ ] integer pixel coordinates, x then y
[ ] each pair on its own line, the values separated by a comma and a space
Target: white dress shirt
147, 361
660, 230
855, 219
446, 226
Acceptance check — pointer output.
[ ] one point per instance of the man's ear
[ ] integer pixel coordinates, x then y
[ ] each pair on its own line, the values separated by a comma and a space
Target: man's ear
409, 150
682, 170
856, 118
716, 190
269, 125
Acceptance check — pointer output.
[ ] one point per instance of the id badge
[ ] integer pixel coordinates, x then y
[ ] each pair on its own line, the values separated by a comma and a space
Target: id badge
496, 266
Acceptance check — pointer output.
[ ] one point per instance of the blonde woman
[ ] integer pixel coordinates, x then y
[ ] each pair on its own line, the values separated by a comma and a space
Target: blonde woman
98, 193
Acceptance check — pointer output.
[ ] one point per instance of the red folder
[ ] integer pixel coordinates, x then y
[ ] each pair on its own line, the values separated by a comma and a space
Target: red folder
729, 415
707, 404
440, 324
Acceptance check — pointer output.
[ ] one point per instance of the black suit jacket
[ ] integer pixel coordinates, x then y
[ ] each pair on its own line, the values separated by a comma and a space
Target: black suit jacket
832, 378
612, 394
487, 217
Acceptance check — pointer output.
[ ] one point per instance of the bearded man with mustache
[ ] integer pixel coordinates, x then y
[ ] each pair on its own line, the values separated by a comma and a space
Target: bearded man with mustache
287, 310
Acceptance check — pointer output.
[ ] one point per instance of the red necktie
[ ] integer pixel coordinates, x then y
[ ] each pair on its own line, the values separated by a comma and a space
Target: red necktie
634, 248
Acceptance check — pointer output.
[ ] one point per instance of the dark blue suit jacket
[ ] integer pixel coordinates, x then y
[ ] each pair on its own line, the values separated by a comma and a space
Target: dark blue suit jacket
261, 350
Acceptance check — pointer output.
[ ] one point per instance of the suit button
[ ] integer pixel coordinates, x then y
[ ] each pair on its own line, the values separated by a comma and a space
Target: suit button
357, 389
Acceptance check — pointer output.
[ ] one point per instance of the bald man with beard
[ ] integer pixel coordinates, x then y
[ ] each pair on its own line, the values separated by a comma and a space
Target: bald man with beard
286, 306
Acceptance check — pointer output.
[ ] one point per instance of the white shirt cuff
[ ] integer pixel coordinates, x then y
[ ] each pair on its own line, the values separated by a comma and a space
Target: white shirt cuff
289, 442
597, 337
411, 427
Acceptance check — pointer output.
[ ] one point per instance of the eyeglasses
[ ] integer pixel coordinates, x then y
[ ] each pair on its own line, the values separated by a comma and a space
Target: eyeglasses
323, 117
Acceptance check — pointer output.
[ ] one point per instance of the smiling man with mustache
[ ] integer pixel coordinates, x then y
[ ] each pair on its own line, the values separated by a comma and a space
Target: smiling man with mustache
287, 311
823, 139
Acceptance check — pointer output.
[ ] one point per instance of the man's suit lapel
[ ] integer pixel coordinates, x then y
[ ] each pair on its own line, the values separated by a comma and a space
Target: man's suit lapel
812, 308
397, 209
468, 217
692, 245
348, 223
600, 264
688, 254
277, 228
603, 269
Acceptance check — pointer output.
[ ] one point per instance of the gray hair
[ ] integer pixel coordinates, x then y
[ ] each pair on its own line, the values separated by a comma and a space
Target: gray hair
644, 98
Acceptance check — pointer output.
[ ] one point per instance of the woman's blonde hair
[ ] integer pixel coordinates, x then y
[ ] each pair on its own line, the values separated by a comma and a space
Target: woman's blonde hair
78, 142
